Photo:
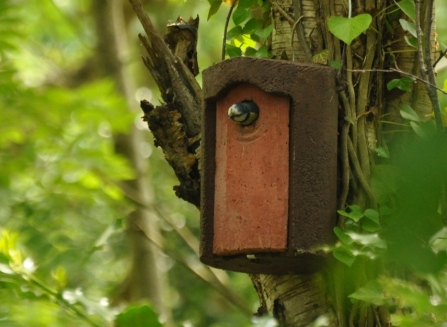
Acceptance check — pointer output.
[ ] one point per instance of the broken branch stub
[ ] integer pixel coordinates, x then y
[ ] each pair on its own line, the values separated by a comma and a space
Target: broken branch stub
175, 124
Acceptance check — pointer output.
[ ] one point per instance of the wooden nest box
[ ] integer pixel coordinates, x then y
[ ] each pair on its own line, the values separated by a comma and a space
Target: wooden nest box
269, 165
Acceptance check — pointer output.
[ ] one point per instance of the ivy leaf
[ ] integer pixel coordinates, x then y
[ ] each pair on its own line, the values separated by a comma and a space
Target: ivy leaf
408, 113
382, 152
263, 52
214, 7
403, 84
408, 26
355, 214
252, 25
370, 293
335, 64
370, 226
233, 51
342, 236
138, 316
370, 240
250, 52
408, 7
234, 33
347, 29
264, 33
411, 41
243, 4
424, 130
240, 15
344, 255
372, 214
321, 58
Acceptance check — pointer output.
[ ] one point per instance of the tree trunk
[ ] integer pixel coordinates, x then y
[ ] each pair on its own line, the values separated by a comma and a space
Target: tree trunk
145, 281
321, 298
299, 299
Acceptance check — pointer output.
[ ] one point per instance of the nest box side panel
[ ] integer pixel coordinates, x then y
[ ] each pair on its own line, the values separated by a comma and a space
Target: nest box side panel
252, 175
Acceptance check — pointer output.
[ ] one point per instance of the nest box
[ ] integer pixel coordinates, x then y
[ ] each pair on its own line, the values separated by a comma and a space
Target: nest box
269, 165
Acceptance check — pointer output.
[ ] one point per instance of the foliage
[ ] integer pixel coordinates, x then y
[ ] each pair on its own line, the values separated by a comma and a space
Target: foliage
348, 28
62, 213
252, 28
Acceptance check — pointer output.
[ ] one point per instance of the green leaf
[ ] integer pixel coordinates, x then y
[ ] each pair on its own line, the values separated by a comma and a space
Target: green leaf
408, 26
424, 130
370, 293
354, 215
347, 29
214, 7
243, 4
335, 64
408, 7
250, 52
350, 119
138, 316
408, 113
233, 51
370, 226
370, 240
263, 52
252, 25
264, 33
240, 15
344, 255
255, 37
321, 58
342, 236
372, 215
382, 152
411, 41
403, 84
234, 33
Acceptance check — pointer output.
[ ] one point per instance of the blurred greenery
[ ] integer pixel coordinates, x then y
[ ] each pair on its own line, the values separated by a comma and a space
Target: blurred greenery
63, 253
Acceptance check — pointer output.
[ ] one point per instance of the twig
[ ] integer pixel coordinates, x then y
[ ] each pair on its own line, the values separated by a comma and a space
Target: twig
441, 55
205, 274
58, 297
344, 158
358, 172
293, 33
282, 12
294, 25
227, 21
394, 70
428, 63
424, 54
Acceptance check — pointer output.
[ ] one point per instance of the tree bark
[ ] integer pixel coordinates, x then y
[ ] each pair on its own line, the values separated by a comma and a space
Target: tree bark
299, 300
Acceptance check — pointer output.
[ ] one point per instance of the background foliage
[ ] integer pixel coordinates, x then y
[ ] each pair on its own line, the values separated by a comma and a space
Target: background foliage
63, 255
62, 211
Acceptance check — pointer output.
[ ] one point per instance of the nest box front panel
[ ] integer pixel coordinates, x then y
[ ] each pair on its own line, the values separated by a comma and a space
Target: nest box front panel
252, 175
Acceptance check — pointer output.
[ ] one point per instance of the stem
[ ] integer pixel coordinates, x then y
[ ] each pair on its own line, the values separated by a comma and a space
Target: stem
424, 54
391, 70
227, 21
429, 66
58, 297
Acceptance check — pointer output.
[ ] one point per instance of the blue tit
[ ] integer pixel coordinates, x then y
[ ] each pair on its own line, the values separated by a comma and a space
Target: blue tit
244, 113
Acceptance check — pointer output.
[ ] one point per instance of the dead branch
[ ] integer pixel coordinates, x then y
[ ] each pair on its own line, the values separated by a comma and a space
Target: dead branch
175, 124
